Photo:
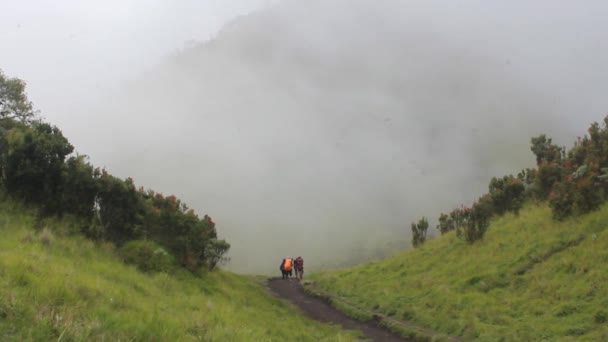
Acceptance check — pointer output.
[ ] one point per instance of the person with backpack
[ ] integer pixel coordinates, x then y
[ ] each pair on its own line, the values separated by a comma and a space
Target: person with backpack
299, 265
286, 268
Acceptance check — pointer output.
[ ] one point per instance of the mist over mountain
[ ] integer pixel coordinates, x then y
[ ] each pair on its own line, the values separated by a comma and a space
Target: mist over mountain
323, 128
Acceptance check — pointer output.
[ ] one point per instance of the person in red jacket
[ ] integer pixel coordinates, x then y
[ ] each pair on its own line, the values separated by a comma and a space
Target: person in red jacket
299, 263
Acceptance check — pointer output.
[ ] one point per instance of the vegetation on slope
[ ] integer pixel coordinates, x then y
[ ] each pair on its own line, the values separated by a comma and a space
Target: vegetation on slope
57, 285
38, 167
573, 182
502, 273
531, 278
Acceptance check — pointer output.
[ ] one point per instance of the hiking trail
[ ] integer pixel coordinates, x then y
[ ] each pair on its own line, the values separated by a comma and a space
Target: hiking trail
319, 310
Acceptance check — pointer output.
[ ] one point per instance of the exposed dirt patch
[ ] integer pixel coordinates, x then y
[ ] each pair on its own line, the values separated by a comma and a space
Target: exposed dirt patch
316, 308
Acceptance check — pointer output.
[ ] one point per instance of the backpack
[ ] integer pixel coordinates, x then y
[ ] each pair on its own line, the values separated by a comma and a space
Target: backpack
288, 264
299, 262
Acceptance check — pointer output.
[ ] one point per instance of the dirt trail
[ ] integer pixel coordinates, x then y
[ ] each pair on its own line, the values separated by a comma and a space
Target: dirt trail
316, 308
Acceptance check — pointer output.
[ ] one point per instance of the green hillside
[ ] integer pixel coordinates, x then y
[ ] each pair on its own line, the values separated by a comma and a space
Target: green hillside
55, 285
530, 278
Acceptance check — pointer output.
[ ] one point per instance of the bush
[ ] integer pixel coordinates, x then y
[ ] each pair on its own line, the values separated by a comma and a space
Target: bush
478, 219
419, 231
600, 317
589, 195
215, 250
507, 194
147, 256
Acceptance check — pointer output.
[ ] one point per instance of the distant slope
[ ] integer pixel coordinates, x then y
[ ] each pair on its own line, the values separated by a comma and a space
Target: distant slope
530, 278
73, 290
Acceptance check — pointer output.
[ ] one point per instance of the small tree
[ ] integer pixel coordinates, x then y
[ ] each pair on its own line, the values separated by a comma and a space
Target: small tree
446, 224
33, 166
216, 250
14, 104
80, 187
419, 232
478, 219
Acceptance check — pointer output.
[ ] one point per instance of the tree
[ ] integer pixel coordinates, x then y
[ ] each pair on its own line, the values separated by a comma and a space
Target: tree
545, 151
216, 249
80, 187
34, 163
478, 219
121, 209
419, 231
507, 194
14, 103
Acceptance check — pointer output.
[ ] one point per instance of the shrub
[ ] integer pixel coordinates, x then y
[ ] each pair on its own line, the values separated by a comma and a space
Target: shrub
588, 195
445, 224
216, 249
507, 194
477, 219
548, 175
147, 256
419, 231
600, 317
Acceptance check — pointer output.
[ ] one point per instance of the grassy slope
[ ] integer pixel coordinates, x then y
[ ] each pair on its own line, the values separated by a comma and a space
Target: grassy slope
75, 290
527, 280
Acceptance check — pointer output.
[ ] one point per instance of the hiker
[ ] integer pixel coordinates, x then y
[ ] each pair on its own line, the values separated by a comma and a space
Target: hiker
299, 267
286, 268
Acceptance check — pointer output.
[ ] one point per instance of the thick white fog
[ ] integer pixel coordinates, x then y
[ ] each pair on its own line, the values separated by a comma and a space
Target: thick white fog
323, 128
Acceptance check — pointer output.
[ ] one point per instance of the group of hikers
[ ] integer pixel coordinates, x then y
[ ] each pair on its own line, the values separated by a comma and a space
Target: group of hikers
288, 265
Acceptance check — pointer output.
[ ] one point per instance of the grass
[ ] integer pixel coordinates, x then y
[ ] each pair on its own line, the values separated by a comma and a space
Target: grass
56, 286
530, 278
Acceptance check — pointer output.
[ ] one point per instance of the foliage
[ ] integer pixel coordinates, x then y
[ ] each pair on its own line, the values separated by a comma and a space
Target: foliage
456, 220
573, 182
14, 103
545, 151
561, 200
419, 231
38, 168
477, 220
121, 210
147, 255
34, 164
80, 187
507, 194
216, 250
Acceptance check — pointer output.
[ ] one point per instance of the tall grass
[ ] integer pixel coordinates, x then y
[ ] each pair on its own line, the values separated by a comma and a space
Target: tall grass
59, 286
530, 278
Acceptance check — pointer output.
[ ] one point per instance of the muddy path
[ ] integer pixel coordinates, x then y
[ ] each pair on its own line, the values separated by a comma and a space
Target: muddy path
319, 310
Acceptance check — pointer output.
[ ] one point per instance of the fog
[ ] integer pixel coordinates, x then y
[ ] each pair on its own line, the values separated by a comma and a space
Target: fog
323, 128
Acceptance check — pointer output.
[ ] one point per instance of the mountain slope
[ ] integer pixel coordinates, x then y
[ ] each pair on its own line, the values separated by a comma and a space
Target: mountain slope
530, 278
59, 286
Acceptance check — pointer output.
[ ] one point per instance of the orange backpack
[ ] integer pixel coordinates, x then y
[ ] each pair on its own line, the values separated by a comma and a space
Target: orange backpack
288, 264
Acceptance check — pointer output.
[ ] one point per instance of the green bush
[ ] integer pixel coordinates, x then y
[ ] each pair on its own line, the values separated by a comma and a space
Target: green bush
600, 317
507, 194
478, 219
419, 232
147, 256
